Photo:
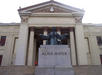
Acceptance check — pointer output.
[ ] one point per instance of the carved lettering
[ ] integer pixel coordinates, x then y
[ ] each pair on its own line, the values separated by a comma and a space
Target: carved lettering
54, 53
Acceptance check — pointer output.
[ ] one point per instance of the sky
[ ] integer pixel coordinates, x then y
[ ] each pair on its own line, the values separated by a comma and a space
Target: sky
9, 13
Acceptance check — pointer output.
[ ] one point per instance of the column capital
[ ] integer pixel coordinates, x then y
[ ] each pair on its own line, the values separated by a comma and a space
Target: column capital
24, 19
78, 20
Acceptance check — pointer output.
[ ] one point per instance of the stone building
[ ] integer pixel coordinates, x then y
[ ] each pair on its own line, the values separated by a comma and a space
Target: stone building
20, 42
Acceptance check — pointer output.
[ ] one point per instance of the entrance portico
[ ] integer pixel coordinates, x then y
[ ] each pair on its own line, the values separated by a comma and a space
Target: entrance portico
34, 42
39, 19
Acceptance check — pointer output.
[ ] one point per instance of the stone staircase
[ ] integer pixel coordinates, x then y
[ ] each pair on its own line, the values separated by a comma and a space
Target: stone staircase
17, 70
88, 70
29, 70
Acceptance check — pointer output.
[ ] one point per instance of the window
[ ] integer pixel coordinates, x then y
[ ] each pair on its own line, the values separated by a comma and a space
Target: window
2, 41
99, 40
101, 58
0, 59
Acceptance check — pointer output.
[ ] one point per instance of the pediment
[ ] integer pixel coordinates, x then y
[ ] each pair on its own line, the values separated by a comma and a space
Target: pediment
49, 7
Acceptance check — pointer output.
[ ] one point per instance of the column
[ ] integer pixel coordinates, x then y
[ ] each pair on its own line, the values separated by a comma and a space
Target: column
58, 31
45, 33
72, 45
14, 53
31, 48
22, 43
35, 56
80, 44
94, 50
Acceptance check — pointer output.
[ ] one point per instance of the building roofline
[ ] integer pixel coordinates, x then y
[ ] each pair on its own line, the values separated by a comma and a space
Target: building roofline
47, 2
9, 24
92, 25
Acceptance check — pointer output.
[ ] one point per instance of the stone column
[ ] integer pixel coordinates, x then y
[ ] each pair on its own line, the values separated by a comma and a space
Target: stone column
72, 45
80, 44
58, 31
45, 33
22, 43
14, 53
94, 50
31, 47
35, 53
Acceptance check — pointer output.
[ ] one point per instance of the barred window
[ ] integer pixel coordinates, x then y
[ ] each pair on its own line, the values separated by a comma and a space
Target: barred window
99, 40
1, 59
2, 41
101, 58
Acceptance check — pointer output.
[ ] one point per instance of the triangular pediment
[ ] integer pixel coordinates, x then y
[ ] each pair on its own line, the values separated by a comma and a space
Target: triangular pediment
49, 7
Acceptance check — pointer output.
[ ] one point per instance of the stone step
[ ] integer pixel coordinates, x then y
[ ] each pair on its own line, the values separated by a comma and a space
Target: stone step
88, 70
17, 70
29, 70
54, 71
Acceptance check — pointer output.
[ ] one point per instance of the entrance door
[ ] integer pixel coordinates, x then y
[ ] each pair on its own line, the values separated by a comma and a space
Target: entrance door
0, 59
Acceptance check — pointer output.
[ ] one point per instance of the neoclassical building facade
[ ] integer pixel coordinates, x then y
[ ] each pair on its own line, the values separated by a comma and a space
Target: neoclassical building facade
20, 42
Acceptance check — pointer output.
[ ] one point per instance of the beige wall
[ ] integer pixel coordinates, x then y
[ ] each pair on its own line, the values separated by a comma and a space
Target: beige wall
12, 31
91, 32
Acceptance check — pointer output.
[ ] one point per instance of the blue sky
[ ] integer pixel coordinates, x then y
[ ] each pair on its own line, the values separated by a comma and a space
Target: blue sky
93, 9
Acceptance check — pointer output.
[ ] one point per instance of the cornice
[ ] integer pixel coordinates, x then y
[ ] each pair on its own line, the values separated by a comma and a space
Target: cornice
9, 24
